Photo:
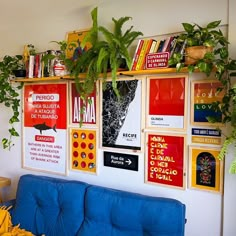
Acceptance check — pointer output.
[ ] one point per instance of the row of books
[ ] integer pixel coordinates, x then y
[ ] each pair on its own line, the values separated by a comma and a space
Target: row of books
146, 46
36, 67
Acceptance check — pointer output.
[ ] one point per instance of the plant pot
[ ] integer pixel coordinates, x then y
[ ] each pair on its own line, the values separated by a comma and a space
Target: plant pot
20, 73
195, 53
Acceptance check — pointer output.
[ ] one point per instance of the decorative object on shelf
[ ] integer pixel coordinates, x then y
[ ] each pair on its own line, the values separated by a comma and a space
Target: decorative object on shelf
111, 50
9, 94
213, 42
223, 68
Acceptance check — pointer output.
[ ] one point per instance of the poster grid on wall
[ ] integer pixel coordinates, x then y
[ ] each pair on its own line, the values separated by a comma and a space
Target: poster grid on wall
121, 125
203, 94
166, 107
205, 169
165, 159
45, 127
83, 150
89, 117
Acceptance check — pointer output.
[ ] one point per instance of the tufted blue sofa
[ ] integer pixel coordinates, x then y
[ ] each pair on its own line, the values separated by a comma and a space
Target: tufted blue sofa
57, 207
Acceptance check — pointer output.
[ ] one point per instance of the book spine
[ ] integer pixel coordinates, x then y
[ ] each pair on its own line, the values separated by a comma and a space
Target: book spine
157, 46
142, 55
31, 66
145, 54
137, 54
154, 42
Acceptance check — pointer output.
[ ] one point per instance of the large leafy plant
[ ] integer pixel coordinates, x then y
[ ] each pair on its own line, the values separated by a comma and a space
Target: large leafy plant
105, 55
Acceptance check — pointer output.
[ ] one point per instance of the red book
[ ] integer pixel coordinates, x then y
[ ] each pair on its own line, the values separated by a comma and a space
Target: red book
137, 53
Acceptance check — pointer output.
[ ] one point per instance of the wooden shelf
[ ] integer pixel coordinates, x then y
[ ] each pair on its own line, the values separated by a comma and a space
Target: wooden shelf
121, 73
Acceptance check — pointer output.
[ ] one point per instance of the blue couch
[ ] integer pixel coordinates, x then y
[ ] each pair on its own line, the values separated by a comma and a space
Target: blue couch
58, 207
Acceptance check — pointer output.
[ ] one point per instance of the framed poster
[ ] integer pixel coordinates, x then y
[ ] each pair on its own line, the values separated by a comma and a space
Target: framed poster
74, 40
45, 127
165, 159
205, 169
167, 102
89, 116
83, 150
122, 118
203, 94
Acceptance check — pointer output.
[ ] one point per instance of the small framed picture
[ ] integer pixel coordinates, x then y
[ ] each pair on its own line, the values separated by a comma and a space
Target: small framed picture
83, 150
167, 102
83, 112
203, 94
205, 169
74, 40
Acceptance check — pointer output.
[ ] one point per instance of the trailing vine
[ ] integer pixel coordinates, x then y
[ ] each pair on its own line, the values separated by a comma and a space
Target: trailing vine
9, 95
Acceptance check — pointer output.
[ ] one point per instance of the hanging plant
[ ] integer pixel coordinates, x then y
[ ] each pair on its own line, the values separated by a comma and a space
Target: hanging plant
9, 94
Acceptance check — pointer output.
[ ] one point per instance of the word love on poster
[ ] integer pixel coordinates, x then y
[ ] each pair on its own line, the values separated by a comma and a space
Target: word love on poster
165, 160
45, 127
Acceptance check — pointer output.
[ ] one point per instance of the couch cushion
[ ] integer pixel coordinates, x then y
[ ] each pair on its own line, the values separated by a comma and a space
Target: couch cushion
49, 206
116, 213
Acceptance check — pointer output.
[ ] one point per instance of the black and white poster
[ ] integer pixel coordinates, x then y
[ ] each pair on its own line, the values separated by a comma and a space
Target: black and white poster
121, 117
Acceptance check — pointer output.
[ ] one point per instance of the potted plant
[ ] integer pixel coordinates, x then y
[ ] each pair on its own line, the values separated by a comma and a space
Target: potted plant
214, 60
105, 55
210, 44
9, 95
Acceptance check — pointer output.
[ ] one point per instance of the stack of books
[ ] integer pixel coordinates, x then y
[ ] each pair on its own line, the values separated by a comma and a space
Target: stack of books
147, 46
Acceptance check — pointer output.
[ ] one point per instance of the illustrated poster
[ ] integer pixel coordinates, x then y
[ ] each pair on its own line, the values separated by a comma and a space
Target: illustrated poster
205, 168
166, 103
165, 159
45, 127
121, 118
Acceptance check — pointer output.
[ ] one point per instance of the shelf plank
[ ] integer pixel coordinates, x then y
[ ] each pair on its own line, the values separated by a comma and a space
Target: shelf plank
123, 73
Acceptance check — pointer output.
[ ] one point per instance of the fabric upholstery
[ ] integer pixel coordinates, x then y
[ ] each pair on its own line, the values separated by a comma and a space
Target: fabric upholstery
49, 206
57, 207
116, 213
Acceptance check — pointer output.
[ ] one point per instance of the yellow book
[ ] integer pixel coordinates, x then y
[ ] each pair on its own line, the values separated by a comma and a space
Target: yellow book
142, 54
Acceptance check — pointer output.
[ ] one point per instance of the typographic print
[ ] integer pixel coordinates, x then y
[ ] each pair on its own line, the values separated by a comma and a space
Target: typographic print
121, 124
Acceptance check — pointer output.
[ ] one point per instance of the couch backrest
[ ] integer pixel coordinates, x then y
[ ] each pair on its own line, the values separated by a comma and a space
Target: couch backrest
49, 206
117, 213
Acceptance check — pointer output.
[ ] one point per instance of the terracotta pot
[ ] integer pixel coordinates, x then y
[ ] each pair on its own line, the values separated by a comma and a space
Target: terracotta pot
195, 53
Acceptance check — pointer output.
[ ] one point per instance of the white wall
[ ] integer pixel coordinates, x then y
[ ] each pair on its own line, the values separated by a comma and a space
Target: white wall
50, 20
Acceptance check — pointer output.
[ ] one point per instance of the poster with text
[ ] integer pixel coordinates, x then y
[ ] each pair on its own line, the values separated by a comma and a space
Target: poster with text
203, 94
166, 102
81, 111
165, 159
206, 170
121, 116
45, 127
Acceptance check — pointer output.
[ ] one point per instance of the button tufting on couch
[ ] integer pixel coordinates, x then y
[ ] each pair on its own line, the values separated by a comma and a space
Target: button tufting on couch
58, 207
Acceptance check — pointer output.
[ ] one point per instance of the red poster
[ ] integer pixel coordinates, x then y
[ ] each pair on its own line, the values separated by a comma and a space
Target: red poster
165, 159
89, 115
167, 102
167, 96
45, 127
